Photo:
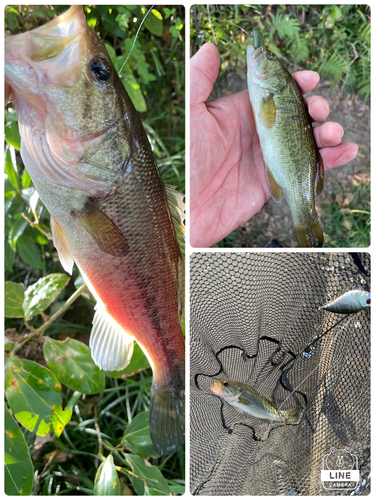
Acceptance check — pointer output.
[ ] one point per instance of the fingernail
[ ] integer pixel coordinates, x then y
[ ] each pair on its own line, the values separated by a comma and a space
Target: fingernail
342, 130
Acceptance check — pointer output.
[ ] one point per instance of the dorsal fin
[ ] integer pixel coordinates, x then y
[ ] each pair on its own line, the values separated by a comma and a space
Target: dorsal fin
177, 210
62, 247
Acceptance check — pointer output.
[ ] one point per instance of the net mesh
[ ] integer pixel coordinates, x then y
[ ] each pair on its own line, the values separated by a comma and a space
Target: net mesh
252, 316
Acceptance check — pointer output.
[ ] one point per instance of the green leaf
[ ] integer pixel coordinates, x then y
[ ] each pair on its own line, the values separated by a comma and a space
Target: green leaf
29, 252
137, 436
110, 23
9, 256
106, 480
150, 480
34, 395
73, 365
43, 12
177, 489
9, 8
154, 23
138, 362
128, 79
167, 12
18, 228
40, 295
336, 13
26, 180
14, 293
11, 20
12, 135
19, 471
11, 169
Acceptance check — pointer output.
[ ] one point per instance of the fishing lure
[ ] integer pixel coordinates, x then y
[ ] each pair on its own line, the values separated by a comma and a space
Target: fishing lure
349, 302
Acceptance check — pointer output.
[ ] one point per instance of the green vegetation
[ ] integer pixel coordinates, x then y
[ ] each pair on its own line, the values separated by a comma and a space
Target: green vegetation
347, 221
74, 417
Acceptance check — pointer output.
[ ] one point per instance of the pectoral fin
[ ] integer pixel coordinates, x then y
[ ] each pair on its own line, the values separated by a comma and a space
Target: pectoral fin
106, 234
111, 347
273, 186
62, 247
267, 113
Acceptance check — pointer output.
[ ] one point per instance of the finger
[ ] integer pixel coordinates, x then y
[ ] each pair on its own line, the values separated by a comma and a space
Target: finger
307, 80
204, 68
328, 134
339, 155
318, 107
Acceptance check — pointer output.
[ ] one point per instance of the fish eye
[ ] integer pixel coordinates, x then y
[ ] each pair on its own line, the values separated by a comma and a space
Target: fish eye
271, 56
225, 384
99, 69
368, 301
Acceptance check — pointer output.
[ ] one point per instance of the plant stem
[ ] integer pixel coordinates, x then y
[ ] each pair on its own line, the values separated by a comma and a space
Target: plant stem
37, 226
53, 318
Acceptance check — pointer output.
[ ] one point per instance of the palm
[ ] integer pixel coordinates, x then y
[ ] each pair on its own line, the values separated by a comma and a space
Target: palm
229, 186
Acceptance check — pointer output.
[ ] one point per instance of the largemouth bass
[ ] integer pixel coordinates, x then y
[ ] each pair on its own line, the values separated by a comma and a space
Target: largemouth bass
90, 160
349, 302
247, 399
292, 163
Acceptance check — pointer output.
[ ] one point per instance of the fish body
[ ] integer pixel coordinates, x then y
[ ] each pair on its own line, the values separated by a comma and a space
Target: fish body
92, 165
247, 399
293, 165
349, 302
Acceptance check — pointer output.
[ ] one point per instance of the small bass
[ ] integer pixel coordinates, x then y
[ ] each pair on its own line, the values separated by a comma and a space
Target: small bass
292, 162
349, 302
247, 399
88, 155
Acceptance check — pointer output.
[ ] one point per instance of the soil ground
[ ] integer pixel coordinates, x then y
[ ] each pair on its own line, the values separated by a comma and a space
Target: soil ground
274, 221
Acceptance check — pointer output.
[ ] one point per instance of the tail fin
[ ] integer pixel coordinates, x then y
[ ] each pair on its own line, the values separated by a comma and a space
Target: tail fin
311, 234
290, 415
167, 419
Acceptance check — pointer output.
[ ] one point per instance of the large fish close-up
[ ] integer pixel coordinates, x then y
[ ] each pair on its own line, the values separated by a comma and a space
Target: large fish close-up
293, 165
88, 155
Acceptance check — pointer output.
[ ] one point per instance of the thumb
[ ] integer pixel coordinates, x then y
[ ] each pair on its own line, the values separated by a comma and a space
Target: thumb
204, 68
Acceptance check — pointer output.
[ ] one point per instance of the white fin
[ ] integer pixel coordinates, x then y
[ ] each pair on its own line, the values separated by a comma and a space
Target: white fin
111, 346
62, 247
177, 210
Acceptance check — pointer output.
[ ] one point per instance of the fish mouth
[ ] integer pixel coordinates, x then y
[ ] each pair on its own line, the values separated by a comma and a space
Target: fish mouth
28, 55
254, 53
216, 387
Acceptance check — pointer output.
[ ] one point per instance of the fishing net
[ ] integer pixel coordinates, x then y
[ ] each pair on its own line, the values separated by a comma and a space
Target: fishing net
252, 317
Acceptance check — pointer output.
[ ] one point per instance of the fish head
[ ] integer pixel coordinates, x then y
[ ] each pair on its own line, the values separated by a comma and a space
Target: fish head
66, 92
227, 390
264, 69
365, 299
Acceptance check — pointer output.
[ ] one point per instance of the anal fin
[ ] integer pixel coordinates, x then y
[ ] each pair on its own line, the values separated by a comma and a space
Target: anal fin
273, 186
105, 233
111, 347
62, 247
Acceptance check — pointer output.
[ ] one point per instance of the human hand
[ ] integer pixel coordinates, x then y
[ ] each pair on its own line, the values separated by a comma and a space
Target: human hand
227, 180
